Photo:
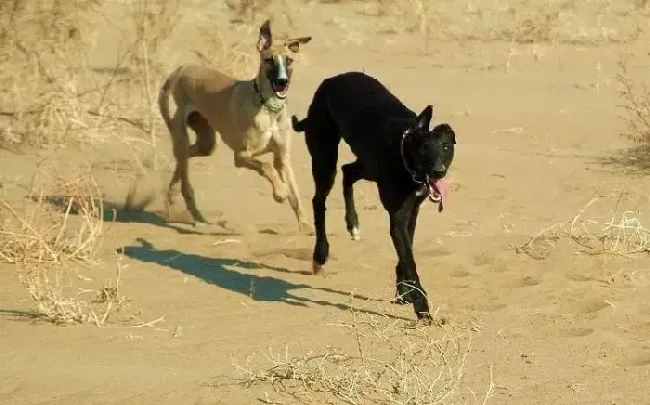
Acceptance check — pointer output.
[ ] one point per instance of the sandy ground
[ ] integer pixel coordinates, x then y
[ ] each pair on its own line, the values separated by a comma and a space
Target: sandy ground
535, 142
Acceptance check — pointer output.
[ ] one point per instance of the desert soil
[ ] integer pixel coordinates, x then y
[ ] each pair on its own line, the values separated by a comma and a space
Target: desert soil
538, 134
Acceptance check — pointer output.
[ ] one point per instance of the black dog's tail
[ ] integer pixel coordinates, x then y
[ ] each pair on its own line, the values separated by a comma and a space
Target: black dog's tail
298, 125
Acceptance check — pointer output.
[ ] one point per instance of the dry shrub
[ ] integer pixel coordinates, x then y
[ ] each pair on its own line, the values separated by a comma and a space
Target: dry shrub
635, 102
60, 229
235, 56
517, 21
44, 71
392, 363
641, 5
54, 303
622, 233
251, 12
247, 10
56, 96
153, 22
64, 221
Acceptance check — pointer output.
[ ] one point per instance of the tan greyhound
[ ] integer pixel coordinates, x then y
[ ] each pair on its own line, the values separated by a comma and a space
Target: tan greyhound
250, 115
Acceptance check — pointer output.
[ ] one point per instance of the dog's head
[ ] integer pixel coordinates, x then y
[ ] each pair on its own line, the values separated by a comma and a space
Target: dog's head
277, 57
428, 153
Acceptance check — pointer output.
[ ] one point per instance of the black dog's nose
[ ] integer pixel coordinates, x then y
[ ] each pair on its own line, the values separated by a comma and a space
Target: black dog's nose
440, 170
282, 82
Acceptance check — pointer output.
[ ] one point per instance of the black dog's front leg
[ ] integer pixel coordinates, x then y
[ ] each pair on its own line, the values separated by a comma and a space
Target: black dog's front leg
399, 232
403, 292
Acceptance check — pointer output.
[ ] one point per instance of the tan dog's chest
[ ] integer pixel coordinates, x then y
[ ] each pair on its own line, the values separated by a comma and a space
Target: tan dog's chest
265, 128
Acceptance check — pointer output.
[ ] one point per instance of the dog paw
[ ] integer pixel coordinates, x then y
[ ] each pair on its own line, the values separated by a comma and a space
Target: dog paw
403, 295
305, 228
355, 233
317, 268
280, 194
424, 319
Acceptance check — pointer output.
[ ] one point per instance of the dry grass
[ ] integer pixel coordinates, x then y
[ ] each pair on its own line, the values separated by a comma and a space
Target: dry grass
515, 21
233, 54
53, 302
247, 10
55, 94
391, 363
61, 225
43, 59
635, 102
60, 229
63, 221
57, 98
622, 233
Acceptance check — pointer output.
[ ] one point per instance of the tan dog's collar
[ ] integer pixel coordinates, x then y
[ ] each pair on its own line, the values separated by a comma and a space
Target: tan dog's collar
272, 104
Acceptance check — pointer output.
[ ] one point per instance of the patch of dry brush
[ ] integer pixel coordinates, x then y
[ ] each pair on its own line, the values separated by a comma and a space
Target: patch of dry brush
61, 227
621, 233
61, 221
391, 363
635, 102
56, 304
49, 91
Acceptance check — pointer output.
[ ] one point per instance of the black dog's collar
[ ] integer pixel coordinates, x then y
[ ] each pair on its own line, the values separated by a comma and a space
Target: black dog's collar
404, 162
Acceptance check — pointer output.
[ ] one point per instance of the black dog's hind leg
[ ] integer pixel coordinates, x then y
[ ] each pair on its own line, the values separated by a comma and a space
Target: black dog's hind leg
323, 148
403, 293
352, 172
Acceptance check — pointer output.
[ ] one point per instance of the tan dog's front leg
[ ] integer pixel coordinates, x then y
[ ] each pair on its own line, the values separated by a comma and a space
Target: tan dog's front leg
285, 171
243, 159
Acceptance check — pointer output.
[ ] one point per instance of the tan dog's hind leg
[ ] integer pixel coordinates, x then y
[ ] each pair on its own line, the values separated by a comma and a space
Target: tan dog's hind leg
243, 159
285, 171
206, 138
181, 146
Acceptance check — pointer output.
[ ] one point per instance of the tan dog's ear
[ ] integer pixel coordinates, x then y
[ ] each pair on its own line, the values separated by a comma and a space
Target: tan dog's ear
266, 38
294, 43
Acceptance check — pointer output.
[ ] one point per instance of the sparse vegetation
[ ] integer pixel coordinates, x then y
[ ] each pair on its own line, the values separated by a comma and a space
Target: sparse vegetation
635, 102
622, 234
391, 363
54, 303
62, 221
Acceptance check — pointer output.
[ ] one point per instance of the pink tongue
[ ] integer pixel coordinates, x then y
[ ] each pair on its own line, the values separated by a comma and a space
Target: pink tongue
441, 187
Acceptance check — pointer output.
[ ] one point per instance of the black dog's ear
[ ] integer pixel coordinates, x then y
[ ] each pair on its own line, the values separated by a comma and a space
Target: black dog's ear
447, 133
266, 38
424, 119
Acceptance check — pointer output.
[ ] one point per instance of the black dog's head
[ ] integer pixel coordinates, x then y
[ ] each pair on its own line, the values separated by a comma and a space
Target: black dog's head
428, 153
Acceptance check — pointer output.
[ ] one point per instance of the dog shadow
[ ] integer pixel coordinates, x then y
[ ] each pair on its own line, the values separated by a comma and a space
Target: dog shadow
127, 214
217, 271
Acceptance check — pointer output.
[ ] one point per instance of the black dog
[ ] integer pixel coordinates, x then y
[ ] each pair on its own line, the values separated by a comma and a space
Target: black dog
394, 148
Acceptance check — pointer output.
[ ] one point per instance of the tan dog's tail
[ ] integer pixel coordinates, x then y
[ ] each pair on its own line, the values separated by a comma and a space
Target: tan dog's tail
298, 125
163, 96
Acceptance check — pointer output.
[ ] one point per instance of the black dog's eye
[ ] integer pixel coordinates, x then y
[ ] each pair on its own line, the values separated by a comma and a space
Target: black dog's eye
269, 61
289, 61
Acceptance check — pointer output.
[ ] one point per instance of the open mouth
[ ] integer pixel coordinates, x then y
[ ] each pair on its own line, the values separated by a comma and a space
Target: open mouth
437, 192
279, 88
